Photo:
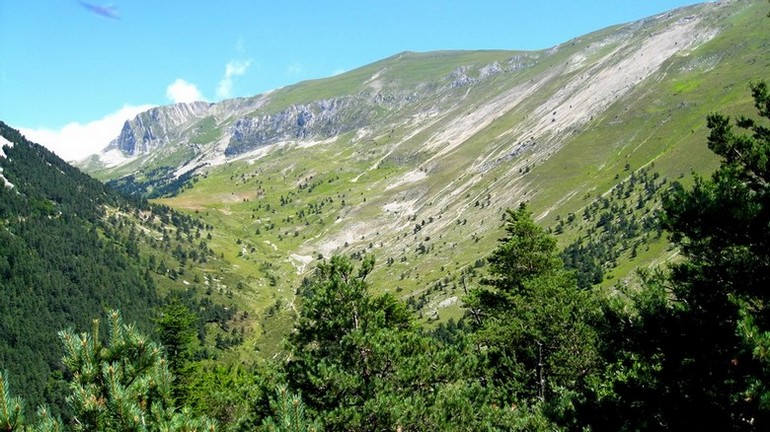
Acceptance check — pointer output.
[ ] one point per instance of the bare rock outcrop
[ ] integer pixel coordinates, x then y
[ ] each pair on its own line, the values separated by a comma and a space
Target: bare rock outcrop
316, 120
155, 127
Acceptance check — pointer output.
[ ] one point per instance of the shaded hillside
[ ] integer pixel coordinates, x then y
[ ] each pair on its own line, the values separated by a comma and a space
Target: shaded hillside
70, 249
57, 270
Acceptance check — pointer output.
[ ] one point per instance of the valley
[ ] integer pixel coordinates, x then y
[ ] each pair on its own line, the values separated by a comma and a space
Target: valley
415, 158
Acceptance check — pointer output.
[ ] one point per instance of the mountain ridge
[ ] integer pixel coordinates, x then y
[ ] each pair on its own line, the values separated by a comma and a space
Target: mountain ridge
277, 106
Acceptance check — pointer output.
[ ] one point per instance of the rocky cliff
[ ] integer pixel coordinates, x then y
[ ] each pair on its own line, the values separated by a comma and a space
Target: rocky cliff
156, 127
317, 120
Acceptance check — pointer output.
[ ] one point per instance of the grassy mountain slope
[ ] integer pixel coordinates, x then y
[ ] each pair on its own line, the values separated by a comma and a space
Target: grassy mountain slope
586, 132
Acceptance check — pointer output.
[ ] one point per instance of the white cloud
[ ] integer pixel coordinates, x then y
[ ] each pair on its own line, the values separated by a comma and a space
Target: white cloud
233, 69
182, 91
76, 141
295, 69
336, 72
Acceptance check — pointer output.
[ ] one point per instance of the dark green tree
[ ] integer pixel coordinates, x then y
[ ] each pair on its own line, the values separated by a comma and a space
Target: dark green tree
176, 327
336, 360
694, 353
237, 396
525, 252
532, 323
716, 368
361, 364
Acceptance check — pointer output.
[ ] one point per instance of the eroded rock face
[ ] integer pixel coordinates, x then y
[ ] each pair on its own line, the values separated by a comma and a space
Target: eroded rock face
316, 120
155, 127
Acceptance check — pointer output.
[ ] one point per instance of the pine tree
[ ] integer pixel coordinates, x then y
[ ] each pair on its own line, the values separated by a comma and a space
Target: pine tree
338, 355
11, 408
717, 364
533, 325
176, 331
290, 414
525, 252
123, 385
12, 413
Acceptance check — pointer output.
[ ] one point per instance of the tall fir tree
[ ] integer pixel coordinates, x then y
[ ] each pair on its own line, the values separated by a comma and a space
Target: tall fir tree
532, 322
176, 330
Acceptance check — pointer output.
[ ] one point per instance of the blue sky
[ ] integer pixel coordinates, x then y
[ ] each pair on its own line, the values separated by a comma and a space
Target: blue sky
69, 77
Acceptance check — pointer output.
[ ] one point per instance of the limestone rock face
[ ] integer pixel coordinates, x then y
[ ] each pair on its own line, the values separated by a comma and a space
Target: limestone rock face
155, 127
316, 120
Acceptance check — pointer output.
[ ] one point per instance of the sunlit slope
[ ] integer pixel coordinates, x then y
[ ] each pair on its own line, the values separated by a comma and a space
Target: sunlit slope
414, 158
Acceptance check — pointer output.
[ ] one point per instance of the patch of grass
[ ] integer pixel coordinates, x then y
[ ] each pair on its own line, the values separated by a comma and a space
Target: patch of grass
205, 131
